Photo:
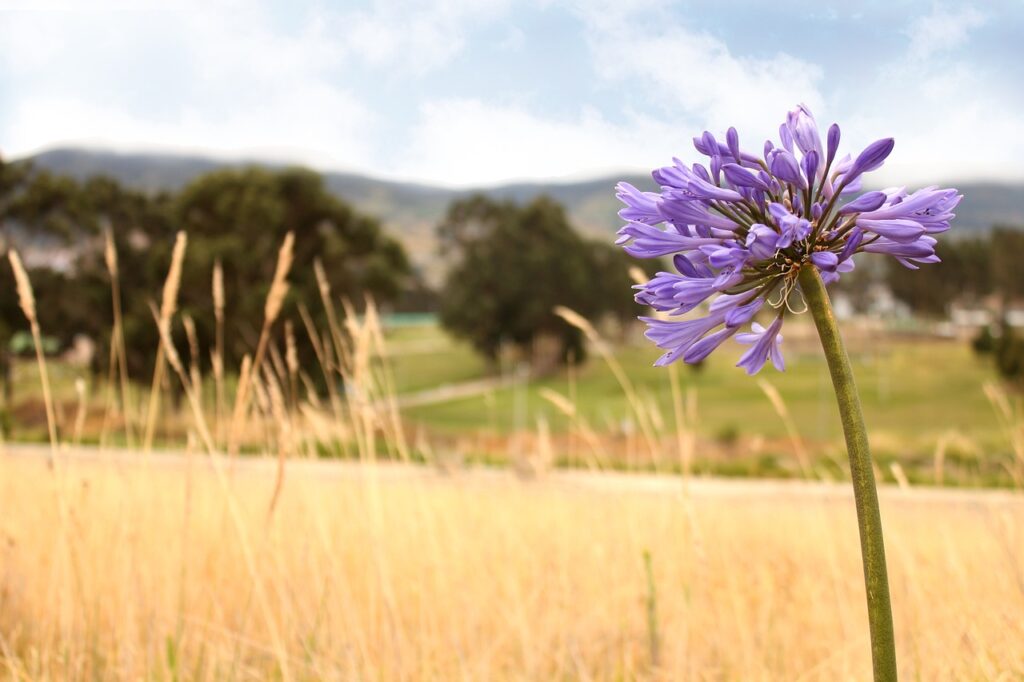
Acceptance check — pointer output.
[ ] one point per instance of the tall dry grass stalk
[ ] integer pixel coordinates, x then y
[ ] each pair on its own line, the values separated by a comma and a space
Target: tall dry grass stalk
775, 398
67, 588
191, 393
168, 306
341, 349
1012, 423
271, 309
83, 408
643, 416
684, 411
364, 367
596, 454
217, 355
235, 426
284, 437
27, 301
291, 358
386, 393
324, 360
119, 353
194, 370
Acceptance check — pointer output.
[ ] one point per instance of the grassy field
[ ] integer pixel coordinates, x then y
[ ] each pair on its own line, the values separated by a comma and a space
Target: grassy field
920, 396
910, 388
283, 564
156, 569
923, 399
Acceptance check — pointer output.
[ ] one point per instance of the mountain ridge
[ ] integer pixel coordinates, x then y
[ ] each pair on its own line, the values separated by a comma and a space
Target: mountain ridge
410, 210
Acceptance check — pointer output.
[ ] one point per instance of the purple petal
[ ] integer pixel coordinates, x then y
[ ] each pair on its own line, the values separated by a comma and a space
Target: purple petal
739, 176
833, 143
641, 207
825, 260
765, 343
785, 167
732, 139
864, 203
804, 129
652, 242
870, 159
703, 348
899, 230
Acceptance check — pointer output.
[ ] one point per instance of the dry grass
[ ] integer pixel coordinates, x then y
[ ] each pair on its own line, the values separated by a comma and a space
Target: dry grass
376, 575
196, 567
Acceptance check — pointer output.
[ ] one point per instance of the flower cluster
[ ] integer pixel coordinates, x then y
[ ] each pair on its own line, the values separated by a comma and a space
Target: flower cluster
740, 230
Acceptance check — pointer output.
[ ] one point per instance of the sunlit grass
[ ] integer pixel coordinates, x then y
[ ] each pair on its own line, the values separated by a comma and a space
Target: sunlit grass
414, 576
276, 565
912, 389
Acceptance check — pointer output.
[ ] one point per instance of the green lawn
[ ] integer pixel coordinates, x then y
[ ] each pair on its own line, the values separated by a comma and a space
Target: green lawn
913, 392
424, 357
916, 392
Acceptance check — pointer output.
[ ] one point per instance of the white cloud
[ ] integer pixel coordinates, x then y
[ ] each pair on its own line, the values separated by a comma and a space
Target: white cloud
221, 80
222, 76
694, 77
952, 119
411, 34
951, 122
469, 142
942, 30
230, 77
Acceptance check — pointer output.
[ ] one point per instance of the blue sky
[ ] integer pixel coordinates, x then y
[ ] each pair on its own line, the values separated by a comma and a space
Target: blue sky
478, 92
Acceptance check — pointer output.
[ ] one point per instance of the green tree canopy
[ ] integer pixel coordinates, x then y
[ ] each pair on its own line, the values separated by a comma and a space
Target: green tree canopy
236, 216
511, 265
240, 218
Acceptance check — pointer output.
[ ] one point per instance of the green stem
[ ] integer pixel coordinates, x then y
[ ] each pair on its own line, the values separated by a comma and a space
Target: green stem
869, 518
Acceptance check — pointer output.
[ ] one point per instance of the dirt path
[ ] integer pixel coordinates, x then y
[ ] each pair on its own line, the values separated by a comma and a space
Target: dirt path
445, 393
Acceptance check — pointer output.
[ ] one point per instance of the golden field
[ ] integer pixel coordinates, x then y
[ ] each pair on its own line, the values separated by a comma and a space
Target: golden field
295, 539
163, 567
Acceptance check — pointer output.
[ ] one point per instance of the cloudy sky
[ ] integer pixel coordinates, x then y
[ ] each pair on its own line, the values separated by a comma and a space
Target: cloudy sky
476, 92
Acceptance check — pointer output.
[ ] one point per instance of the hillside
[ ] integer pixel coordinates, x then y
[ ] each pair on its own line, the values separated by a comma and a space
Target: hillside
410, 210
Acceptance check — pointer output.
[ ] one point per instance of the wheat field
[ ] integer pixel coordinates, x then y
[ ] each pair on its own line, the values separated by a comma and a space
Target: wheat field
115, 567
215, 563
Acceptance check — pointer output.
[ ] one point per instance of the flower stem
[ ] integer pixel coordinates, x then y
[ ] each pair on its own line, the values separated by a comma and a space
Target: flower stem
869, 518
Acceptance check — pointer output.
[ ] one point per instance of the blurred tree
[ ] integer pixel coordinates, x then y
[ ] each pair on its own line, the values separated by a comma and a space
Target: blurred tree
610, 282
40, 210
238, 216
12, 177
1008, 353
967, 271
1003, 266
511, 265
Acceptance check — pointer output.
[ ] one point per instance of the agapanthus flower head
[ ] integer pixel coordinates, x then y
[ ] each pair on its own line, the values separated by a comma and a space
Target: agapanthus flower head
741, 229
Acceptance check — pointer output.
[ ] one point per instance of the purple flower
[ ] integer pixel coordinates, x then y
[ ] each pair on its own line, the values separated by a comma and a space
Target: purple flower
870, 159
646, 241
641, 207
741, 228
785, 167
762, 241
804, 130
766, 343
825, 260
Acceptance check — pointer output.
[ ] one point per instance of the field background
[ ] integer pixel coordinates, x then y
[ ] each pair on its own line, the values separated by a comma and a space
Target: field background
925, 401
160, 568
